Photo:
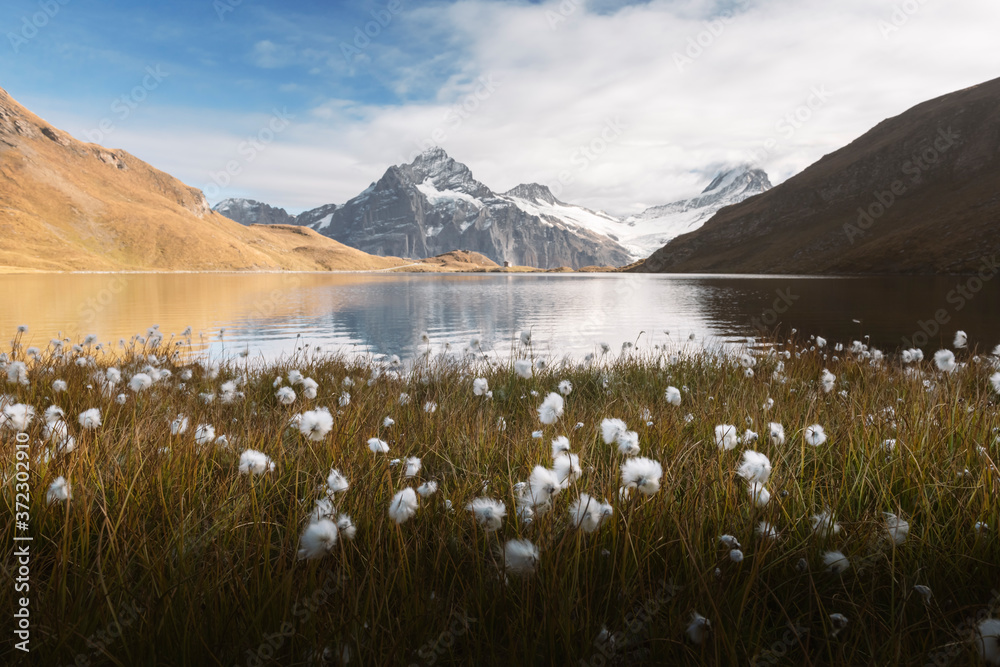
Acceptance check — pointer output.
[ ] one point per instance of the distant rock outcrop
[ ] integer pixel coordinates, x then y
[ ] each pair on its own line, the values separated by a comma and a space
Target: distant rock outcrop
250, 212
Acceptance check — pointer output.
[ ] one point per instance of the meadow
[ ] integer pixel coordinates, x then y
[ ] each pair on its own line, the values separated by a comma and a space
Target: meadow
791, 503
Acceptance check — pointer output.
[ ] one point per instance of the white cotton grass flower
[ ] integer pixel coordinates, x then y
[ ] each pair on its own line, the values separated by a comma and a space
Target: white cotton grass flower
57, 432
54, 413
924, 592
829, 381
430, 407
759, 494
179, 426
673, 396
294, 377
611, 429
628, 443
412, 468
542, 485
403, 505
698, 628
567, 469
17, 417
520, 557
820, 341
285, 395
898, 528
945, 360
889, 445
814, 435
378, 446
336, 482
526, 337
587, 513
836, 562
767, 531
59, 386
323, 509
839, 622
729, 542
523, 368
139, 382
480, 386
961, 340
488, 512
90, 419
726, 436
736, 556
204, 434
310, 388
58, 491
427, 489
768, 404
346, 526
551, 408
255, 462
318, 539
565, 387
824, 525
749, 437
995, 381
316, 424
987, 640
614, 431
17, 371
755, 468
777, 433
560, 445
643, 474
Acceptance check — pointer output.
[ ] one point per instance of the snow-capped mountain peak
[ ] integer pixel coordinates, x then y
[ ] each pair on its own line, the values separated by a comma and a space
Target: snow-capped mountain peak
444, 173
533, 192
653, 228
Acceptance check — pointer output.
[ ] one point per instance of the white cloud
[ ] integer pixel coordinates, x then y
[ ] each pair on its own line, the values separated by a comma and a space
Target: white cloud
555, 90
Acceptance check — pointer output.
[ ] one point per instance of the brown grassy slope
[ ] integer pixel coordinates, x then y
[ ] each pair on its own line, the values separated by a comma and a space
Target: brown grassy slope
944, 222
69, 205
456, 260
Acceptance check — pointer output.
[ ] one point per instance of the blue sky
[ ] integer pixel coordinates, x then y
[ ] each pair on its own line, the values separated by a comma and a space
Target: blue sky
513, 89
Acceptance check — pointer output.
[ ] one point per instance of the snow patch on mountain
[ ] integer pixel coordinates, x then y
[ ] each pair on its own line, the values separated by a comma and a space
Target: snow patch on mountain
436, 197
655, 227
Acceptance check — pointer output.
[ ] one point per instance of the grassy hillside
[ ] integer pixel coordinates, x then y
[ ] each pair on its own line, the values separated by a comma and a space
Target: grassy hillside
917, 194
67, 205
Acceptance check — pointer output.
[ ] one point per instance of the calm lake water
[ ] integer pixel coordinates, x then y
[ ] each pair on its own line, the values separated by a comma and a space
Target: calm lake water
268, 315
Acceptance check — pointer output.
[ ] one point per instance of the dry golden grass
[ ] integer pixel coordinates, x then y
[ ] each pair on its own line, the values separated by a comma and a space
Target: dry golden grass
165, 554
71, 206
